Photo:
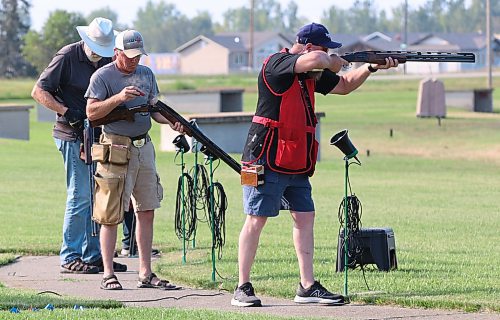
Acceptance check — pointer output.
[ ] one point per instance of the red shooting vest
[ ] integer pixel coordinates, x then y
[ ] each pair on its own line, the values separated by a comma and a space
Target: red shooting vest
290, 141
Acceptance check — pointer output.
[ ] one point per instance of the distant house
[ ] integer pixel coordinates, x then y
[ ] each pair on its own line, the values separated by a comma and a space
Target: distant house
162, 63
226, 53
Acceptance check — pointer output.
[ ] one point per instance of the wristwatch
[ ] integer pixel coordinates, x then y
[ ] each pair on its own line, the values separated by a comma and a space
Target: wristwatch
372, 69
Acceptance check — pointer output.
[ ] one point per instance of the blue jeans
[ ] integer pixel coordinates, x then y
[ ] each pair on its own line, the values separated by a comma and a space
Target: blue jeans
128, 229
78, 241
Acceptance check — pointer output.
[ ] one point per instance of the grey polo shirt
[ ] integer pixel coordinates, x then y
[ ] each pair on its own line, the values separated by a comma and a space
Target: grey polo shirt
109, 81
68, 76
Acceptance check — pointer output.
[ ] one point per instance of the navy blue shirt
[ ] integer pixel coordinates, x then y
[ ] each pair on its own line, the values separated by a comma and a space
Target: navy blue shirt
68, 76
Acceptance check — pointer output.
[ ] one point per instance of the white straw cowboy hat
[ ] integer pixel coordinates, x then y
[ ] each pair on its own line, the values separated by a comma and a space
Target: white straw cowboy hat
99, 36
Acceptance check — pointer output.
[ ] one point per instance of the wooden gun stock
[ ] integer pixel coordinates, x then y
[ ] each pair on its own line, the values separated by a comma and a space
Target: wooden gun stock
121, 113
379, 57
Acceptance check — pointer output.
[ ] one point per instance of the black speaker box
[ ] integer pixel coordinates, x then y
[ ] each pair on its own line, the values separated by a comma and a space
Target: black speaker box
378, 246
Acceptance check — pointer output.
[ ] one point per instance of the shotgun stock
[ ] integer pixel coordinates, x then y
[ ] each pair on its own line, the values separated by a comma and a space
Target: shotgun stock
121, 113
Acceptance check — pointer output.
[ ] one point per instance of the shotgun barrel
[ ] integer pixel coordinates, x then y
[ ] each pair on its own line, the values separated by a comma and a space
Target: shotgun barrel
379, 57
194, 132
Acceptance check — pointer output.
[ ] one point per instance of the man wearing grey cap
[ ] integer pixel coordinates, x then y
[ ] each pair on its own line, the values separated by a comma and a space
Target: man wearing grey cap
282, 139
126, 168
60, 88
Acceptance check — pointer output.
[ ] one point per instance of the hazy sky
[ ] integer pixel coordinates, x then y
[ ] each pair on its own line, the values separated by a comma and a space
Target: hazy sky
126, 9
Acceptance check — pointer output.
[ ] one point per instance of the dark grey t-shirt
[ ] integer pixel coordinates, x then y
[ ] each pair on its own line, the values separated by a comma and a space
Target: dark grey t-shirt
108, 81
69, 74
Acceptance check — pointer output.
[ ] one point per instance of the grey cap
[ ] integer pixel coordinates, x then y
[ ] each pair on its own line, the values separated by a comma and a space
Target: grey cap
130, 42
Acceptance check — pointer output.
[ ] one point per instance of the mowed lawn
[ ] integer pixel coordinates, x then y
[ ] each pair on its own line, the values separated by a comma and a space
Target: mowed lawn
435, 185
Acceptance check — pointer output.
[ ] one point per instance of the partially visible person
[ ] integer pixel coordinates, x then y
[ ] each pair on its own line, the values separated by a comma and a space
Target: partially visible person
129, 245
61, 88
282, 139
127, 168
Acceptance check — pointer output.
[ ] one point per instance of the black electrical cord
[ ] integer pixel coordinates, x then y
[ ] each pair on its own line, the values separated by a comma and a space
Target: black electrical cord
152, 300
173, 298
354, 242
200, 176
185, 202
199, 200
219, 217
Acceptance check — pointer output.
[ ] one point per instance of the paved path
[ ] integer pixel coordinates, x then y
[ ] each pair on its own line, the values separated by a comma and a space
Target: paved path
41, 273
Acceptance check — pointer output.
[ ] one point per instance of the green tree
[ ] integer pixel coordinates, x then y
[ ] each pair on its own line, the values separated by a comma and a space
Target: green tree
202, 24
456, 15
268, 16
58, 31
14, 23
165, 28
362, 17
335, 19
477, 15
235, 20
293, 20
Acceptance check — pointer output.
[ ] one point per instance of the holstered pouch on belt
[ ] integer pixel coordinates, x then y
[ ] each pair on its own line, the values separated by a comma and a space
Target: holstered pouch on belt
108, 204
119, 154
252, 175
110, 179
100, 152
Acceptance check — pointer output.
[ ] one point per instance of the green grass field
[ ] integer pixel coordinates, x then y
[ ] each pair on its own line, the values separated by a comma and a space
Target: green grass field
435, 185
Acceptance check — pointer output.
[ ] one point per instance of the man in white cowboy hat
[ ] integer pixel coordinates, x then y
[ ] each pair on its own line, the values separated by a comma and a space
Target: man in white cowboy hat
61, 88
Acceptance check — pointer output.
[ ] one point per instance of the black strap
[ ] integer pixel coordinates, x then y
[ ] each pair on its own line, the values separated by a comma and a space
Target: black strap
307, 98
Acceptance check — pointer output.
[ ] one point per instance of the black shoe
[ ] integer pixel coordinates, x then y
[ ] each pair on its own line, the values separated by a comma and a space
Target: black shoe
317, 294
117, 267
244, 296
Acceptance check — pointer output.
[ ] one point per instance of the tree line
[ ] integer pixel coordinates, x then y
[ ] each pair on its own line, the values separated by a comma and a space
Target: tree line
26, 51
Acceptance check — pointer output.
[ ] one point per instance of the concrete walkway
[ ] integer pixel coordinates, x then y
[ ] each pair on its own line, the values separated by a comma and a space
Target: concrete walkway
41, 273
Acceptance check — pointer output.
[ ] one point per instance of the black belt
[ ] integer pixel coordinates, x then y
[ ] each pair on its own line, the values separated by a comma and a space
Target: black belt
142, 136
141, 140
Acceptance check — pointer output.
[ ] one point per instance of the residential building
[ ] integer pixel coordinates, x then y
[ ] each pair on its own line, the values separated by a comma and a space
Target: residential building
226, 53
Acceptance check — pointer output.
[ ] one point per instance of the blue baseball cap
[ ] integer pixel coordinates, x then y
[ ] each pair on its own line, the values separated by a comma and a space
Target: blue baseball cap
318, 35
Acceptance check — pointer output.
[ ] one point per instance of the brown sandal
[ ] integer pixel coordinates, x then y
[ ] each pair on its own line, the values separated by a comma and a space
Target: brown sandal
152, 281
80, 267
110, 283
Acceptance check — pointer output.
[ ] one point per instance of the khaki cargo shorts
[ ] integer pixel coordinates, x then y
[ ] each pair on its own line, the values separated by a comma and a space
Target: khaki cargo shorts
142, 182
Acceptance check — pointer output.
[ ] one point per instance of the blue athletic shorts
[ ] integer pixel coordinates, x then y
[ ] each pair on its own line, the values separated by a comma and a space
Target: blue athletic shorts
279, 192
